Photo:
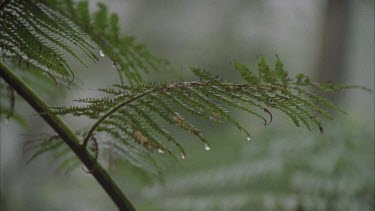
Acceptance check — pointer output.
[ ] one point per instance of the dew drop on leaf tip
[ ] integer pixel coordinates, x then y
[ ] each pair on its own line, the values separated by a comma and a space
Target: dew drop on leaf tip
248, 138
183, 156
207, 147
101, 53
160, 151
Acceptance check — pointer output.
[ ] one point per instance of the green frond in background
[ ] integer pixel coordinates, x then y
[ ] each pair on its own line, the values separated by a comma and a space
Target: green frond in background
277, 172
41, 82
142, 114
113, 150
7, 104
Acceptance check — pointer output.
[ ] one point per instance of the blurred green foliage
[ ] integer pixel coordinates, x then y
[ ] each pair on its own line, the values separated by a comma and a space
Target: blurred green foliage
281, 170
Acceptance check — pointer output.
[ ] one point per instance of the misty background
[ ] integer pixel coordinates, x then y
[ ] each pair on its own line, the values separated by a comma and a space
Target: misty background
329, 40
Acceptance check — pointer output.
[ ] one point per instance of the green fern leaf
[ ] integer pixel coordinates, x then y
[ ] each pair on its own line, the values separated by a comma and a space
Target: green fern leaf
130, 58
36, 36
141, 112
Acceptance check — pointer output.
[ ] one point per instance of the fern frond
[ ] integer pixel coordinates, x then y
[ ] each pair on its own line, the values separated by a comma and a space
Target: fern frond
35, 36
141, 112
7, 105
130, 58
8, 97
41, 35
66, 161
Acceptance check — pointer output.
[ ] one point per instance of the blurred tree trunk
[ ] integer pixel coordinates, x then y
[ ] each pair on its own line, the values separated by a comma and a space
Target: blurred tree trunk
333, 46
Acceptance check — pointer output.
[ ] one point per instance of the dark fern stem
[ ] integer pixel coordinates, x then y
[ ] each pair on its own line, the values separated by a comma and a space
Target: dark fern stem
67, 135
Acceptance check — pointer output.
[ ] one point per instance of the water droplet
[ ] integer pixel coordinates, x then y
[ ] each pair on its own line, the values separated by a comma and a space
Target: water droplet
183, 156
248, 138
101, 53
160, 151
113, 64
207, 147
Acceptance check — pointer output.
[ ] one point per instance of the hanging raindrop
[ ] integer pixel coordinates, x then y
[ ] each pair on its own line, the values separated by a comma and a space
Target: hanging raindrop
207, 147
160, 151
113, 64
101, 53
248, 138
183, 156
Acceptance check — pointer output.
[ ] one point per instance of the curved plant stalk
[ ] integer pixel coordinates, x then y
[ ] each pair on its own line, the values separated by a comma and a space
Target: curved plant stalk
114, 109
67, 135
122, 104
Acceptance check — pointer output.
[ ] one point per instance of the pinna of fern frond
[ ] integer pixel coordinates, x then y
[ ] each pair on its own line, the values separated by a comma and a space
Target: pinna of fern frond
141, 112
130, 58
34, 35
49, 36
65, 161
